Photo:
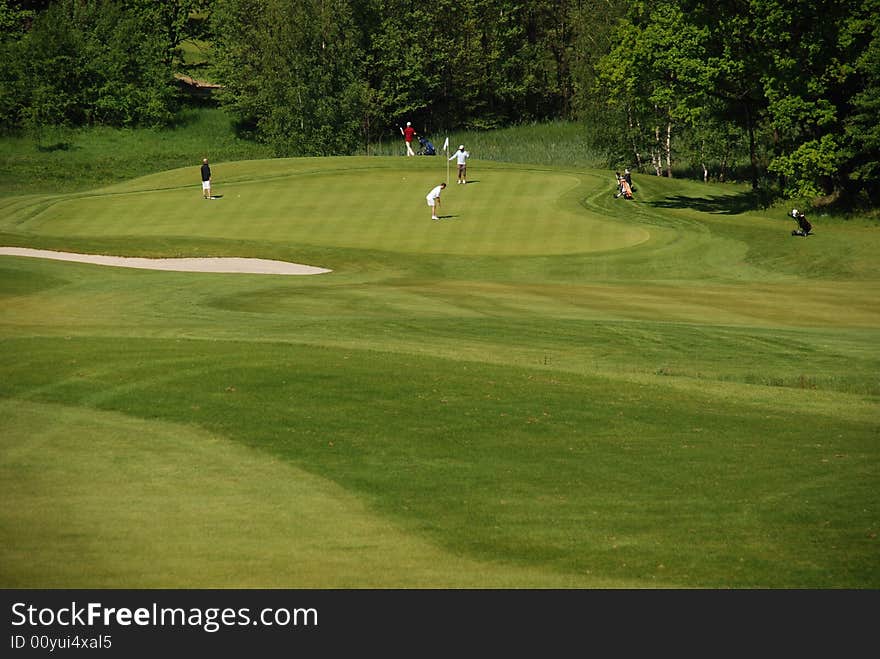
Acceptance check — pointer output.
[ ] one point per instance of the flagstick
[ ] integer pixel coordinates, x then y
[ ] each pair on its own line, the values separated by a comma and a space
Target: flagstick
446, 151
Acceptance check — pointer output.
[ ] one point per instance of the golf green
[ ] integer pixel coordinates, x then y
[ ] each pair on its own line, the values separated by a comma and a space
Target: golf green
360, 203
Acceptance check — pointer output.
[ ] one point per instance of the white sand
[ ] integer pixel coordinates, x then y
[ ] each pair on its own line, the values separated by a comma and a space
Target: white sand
212, 264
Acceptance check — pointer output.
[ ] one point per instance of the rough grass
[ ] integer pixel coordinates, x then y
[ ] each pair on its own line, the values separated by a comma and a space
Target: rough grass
67, 160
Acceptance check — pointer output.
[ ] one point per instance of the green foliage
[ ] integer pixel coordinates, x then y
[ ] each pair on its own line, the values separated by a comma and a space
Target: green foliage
12, 19
654, 73
399, 61
84, 63
400, 85
810, 163
795, 78
790, 87
293, 69
811, 82
861, 128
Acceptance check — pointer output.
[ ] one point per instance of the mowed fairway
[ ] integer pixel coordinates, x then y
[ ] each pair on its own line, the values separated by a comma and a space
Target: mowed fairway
547, 388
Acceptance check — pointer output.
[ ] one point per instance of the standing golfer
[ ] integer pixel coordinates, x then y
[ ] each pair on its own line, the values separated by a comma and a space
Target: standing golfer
461, 157
206, 179
433, 200
408, 134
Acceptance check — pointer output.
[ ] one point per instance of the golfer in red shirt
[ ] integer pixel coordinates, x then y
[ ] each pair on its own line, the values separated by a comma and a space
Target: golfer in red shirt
408, 133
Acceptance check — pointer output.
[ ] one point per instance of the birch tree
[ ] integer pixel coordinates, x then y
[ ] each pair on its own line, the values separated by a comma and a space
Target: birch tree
655, 73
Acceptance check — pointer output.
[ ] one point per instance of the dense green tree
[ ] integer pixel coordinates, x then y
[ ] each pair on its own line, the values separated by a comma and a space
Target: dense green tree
787, 72
735, 65
592, 24
799, 79
401, 68
711, 145
794, 84
87, 62
817, 74
293, 70
861, 129
442, 65
13, 20
173, 19
476, 64
654, 73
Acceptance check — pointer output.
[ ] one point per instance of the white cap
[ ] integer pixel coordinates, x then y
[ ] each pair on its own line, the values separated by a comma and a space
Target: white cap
461, 146
408, 123
794, 212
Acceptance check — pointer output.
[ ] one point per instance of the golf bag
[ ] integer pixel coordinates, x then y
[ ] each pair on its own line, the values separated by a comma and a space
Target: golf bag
804, 227
623, 188
426, 148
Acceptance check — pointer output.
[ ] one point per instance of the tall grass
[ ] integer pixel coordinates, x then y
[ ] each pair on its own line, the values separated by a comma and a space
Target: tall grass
69, 160
553, 144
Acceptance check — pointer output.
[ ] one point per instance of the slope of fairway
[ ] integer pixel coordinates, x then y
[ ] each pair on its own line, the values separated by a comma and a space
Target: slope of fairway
95, 499
550, 387
576, 478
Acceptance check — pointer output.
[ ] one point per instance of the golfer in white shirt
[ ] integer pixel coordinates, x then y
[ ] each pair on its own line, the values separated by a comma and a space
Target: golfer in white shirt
461, 157
433, 200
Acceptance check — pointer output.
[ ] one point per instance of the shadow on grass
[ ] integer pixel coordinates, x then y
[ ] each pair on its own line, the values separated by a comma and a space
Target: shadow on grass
732, 204
58, 146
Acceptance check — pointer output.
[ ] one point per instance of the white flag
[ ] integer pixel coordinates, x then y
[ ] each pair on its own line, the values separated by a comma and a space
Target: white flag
446, 144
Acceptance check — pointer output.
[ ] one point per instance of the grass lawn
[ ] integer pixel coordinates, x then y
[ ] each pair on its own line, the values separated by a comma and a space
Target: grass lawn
548, 388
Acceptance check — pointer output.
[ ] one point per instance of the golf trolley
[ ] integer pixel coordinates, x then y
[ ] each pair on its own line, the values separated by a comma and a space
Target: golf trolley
426, 148
804, 227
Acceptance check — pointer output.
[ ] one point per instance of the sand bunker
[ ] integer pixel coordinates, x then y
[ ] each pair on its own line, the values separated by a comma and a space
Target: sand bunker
211, 264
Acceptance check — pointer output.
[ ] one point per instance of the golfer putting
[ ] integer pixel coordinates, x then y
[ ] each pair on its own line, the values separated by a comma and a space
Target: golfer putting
433, 199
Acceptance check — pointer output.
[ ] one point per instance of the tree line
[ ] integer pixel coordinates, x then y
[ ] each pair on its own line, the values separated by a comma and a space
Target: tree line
788, 88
